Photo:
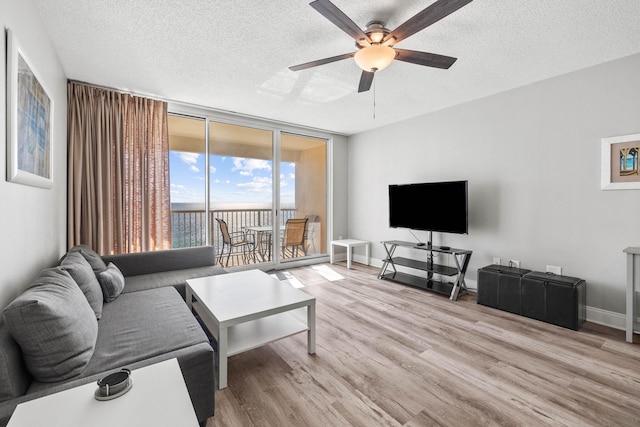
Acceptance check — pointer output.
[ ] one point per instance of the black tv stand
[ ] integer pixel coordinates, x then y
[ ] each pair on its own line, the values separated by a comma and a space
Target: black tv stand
430, 283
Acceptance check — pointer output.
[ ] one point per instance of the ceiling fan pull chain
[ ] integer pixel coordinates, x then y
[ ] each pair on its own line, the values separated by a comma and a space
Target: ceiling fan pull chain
374, 100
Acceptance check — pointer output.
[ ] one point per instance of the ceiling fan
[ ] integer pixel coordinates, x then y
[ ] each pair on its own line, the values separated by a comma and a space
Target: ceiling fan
376, 43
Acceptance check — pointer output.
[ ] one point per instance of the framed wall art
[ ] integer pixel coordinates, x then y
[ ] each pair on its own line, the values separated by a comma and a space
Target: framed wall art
620, 163
29, 121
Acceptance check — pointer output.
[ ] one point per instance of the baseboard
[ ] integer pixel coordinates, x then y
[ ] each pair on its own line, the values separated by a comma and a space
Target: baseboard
606, 318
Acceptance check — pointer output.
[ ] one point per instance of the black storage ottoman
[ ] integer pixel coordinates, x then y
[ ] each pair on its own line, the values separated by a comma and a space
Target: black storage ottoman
499, 287
559, 300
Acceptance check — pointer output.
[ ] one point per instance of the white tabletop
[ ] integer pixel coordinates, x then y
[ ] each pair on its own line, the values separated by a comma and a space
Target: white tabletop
158, 398
262, 228
349, 242
237, 297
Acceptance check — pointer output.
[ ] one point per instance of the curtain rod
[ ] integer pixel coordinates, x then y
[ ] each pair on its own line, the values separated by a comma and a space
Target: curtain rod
202, 107
124, 91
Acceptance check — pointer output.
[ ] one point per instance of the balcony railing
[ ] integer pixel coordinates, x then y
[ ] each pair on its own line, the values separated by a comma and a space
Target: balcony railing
189, 225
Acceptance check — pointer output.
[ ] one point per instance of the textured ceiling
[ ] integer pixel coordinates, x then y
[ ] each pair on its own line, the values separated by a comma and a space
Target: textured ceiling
234, 55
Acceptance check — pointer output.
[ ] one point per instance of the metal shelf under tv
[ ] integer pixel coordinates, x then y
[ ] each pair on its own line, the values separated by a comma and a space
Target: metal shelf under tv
453, 288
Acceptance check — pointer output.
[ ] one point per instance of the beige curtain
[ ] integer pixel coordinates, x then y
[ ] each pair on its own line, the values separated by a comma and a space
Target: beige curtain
118, 171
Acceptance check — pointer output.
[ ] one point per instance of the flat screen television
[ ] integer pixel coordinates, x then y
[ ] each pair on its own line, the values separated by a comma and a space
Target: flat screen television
430, 206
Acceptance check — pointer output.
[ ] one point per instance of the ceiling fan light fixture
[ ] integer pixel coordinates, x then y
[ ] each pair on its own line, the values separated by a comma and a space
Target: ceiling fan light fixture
375, 57
389, 42
376, 31
376, 36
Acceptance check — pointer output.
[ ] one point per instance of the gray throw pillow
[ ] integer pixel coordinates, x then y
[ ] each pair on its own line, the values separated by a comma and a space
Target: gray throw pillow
81, 271
54, 326
92, 257
112, 282
15, 376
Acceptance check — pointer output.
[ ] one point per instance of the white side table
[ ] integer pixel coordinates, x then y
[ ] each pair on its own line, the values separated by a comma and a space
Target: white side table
349, 244
633, 284
158, 398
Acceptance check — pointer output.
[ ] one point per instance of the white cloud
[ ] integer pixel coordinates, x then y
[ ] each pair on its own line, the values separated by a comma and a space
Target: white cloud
189, 158
257, 185
247, 166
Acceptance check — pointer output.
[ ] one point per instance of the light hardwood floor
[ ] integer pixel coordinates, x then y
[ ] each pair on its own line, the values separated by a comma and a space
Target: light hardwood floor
392, 355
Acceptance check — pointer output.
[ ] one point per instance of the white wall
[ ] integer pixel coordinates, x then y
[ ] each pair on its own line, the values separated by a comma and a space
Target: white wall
32, 220
339, 178
532, 159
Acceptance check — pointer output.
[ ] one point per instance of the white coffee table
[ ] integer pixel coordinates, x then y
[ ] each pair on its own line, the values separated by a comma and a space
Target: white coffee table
159, 397
249, 309
349, 244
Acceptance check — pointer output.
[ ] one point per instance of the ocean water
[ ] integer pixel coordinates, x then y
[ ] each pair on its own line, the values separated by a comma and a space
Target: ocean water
226, 206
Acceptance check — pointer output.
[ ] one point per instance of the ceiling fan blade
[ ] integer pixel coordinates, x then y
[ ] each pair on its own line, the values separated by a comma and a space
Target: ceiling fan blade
365, 81
428, 16
342, 21
424, 58
321, 62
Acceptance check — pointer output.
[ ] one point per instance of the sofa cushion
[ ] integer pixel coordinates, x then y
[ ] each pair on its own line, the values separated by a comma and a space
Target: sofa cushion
81, 271
96, 262
139, 326
112, 282
15, 377
134, 264
54, 326
174, 278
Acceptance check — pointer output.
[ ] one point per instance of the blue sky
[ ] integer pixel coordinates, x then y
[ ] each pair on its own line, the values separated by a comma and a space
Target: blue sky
233, 179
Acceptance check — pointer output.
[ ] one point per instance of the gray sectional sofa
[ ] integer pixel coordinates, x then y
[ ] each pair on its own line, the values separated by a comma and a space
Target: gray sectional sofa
91, 315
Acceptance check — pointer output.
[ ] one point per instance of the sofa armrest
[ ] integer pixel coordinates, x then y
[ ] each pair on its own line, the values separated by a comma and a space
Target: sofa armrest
134, 264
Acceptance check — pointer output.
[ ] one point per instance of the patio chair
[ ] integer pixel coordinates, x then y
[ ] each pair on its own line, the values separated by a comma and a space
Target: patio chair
310, 243
237, 241
294, 236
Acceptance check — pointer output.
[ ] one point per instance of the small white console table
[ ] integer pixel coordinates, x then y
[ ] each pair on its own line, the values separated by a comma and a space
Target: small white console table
633, 285
159, 398
349, 244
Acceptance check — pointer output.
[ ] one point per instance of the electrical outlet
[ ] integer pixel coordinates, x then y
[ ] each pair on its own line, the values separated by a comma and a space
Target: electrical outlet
514, 263
496, 260
554, 269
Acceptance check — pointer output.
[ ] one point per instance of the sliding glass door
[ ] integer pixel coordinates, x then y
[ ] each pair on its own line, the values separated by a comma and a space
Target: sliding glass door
270, 189
187, 180
257, 194
241, 191
303, 195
